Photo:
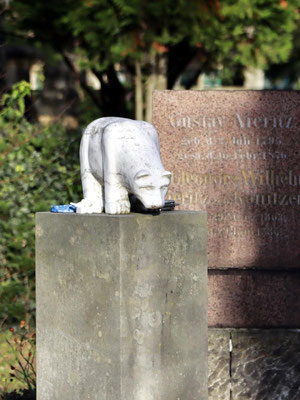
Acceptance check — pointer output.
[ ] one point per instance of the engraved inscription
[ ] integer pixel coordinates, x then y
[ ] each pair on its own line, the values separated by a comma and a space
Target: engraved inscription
236, 155
203, 121
248, 177
264, 122
242, 148
243, 121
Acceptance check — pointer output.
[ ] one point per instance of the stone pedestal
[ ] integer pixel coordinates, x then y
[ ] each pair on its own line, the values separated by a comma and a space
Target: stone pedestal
121, 306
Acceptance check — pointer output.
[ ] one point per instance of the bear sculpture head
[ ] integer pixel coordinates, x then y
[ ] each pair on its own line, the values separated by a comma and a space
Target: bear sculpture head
151, 187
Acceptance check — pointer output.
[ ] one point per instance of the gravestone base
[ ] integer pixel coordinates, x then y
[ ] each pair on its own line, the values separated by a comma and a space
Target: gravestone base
121, 306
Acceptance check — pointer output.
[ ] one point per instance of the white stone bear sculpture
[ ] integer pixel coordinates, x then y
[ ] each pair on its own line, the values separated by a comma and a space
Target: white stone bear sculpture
118, 157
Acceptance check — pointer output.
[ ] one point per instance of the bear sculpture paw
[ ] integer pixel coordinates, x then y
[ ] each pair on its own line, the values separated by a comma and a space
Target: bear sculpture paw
120, 207
87, 207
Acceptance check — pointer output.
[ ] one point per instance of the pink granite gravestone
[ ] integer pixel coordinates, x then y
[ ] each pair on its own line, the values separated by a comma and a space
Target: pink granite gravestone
236, 155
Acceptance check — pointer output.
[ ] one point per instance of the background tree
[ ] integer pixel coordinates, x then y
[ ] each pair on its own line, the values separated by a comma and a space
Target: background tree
2, 57
287, 74
152, 42
38, 167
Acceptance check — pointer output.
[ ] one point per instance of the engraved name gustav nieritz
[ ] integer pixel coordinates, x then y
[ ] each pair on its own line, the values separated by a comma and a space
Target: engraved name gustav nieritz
118, 157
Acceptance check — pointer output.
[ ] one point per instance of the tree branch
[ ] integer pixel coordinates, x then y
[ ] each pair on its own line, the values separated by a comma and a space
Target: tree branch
179, 57
80, 79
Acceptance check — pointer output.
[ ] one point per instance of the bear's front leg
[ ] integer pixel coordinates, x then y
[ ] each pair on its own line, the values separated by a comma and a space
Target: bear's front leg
92, 195
116, 199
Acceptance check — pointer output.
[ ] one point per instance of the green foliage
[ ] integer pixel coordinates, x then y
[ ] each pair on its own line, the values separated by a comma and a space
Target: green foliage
17, 364
108, 36
39, 167
87, 112
6, 360
262, 30
13, 104
285, 75
105, 32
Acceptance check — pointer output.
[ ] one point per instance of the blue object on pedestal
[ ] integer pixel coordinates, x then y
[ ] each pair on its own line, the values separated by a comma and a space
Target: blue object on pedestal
69, 208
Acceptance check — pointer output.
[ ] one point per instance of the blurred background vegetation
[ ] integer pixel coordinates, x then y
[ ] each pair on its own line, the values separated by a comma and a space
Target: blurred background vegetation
105, 57
64, 63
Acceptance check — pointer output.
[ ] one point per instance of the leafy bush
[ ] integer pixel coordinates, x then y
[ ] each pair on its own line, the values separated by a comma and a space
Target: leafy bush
18, 366
39, 166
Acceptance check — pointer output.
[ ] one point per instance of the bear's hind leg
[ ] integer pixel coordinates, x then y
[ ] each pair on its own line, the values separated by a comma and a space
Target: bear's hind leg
92, 189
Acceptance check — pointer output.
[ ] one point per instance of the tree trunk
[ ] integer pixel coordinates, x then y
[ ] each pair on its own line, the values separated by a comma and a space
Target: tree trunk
157, 80
179, 57
111, 101
150, 86
113, 95
138, 95
2, 59
78, 78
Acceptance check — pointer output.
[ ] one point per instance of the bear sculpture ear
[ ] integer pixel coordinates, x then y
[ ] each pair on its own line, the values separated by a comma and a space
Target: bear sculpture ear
167, 174
141, 174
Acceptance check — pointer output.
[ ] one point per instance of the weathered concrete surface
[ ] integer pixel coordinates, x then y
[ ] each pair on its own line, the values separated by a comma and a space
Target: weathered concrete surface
218, 364
265, 365
121, 306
